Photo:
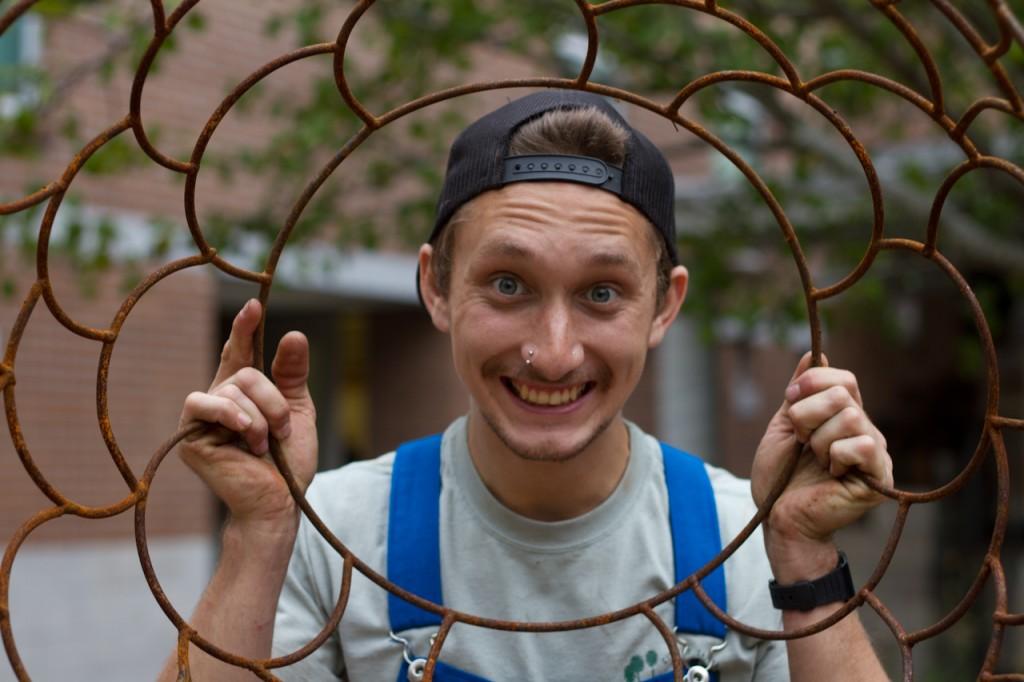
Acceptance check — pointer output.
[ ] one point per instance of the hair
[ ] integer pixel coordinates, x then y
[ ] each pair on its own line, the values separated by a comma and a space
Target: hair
584, 131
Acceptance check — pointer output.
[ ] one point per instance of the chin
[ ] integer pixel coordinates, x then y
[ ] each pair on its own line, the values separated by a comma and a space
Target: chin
546, 449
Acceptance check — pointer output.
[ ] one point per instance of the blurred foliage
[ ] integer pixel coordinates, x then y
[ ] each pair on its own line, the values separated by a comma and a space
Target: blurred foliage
741, 265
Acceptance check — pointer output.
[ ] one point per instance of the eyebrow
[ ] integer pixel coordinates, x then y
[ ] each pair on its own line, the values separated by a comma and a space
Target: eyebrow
512, 249
611, 259
506, 249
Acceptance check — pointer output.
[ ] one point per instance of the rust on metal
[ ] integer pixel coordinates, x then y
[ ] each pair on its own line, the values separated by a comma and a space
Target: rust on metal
932, 103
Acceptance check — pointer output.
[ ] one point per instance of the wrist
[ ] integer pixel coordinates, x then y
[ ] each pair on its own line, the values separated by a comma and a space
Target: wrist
794, 557
808, 595
265, 538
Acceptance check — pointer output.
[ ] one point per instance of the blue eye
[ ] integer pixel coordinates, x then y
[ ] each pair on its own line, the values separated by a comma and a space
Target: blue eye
507, 286
601, 294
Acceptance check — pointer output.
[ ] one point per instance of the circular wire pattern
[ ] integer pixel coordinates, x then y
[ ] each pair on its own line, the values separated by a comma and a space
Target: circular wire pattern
931, 104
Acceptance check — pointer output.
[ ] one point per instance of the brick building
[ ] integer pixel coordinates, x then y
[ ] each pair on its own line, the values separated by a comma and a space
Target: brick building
380, 372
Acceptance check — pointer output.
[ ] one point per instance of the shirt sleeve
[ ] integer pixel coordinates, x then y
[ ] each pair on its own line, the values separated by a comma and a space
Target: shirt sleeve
301, 615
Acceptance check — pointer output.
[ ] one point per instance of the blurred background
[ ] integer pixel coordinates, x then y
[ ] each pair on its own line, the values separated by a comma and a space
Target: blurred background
79, 605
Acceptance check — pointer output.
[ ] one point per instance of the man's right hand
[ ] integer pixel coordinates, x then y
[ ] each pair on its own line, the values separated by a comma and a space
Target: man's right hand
244, 408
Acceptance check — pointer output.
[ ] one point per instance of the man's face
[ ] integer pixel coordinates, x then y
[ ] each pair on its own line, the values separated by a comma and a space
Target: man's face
570, 272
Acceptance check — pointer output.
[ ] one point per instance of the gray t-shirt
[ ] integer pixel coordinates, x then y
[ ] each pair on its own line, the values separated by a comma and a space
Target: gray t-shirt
496, 563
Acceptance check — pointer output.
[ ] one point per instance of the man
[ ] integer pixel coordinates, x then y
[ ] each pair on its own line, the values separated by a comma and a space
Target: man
552, 267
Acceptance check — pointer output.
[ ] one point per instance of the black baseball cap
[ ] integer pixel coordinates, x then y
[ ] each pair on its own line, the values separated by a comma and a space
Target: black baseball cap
479, 161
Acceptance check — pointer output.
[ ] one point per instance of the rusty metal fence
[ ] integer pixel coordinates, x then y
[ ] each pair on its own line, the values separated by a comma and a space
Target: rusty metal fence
932, 103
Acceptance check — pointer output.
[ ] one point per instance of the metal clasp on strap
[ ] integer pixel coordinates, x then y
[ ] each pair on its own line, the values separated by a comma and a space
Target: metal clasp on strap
416, 664
699, 663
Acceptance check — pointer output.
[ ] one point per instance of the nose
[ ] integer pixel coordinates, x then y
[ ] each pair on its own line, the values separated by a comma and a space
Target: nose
554, 349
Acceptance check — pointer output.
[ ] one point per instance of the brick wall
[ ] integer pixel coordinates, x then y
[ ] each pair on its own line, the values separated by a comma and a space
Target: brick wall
410, 360
182, 91
165, 350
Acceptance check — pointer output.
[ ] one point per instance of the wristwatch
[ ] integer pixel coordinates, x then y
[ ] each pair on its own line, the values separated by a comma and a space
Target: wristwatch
837, 585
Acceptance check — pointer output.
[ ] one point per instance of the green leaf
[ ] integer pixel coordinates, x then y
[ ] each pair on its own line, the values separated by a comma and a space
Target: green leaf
196, 20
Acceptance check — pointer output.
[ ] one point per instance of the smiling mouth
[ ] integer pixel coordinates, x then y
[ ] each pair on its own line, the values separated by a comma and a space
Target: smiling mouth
542, 397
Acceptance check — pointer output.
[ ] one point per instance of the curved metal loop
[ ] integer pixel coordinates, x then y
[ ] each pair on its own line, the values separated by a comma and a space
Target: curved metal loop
991, 444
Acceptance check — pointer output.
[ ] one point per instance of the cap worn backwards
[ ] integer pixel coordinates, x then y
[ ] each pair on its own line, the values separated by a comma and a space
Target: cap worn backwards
479, 161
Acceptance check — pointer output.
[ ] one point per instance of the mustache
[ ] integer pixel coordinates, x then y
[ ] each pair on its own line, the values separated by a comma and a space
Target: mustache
530, 376
519, 371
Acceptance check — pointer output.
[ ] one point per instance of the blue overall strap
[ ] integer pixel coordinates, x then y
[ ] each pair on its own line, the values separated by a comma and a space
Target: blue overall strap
443, 673
414, 542
695, 539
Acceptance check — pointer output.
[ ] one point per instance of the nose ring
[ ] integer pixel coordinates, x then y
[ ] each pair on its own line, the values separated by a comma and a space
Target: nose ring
528, 352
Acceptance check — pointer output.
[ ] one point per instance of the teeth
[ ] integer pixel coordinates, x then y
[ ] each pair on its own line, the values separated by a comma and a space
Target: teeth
553, 398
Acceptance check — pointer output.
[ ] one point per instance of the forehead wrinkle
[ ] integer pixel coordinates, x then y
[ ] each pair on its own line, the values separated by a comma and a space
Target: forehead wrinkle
535, 214
537, 211
601, 216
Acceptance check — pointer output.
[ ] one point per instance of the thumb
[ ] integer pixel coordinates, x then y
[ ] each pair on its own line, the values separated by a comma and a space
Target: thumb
290, 368
792, 391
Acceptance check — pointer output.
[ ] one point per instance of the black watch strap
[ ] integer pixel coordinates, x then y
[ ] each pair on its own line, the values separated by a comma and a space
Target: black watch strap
805, 595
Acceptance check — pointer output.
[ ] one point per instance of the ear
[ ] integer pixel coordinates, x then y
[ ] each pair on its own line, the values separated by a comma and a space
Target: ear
435, 302
674, 297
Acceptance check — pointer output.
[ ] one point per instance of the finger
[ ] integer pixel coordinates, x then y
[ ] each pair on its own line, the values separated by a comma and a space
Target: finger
256, 435
810, 413
213, 409
267, 398
801, 366
290, 368
861, 453
818, 379
847, 423
805, 363
237, 352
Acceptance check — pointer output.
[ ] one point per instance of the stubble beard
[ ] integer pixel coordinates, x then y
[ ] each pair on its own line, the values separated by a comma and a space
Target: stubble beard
544, 455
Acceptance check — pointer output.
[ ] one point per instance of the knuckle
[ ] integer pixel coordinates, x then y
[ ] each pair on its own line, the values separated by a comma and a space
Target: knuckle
248, 375
229, 390
850, 417
278, 413
258, 429
865, 445
837, 396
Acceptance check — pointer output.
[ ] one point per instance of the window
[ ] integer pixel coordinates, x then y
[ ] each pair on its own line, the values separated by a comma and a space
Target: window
20, 48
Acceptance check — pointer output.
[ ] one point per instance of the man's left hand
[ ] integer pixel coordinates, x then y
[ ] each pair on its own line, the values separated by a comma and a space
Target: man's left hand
822, 408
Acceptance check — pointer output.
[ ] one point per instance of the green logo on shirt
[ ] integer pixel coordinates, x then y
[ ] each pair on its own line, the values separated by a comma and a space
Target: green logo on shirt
633, 670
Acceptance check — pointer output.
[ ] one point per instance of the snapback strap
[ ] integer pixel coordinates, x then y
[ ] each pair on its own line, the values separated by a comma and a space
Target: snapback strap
566, 167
